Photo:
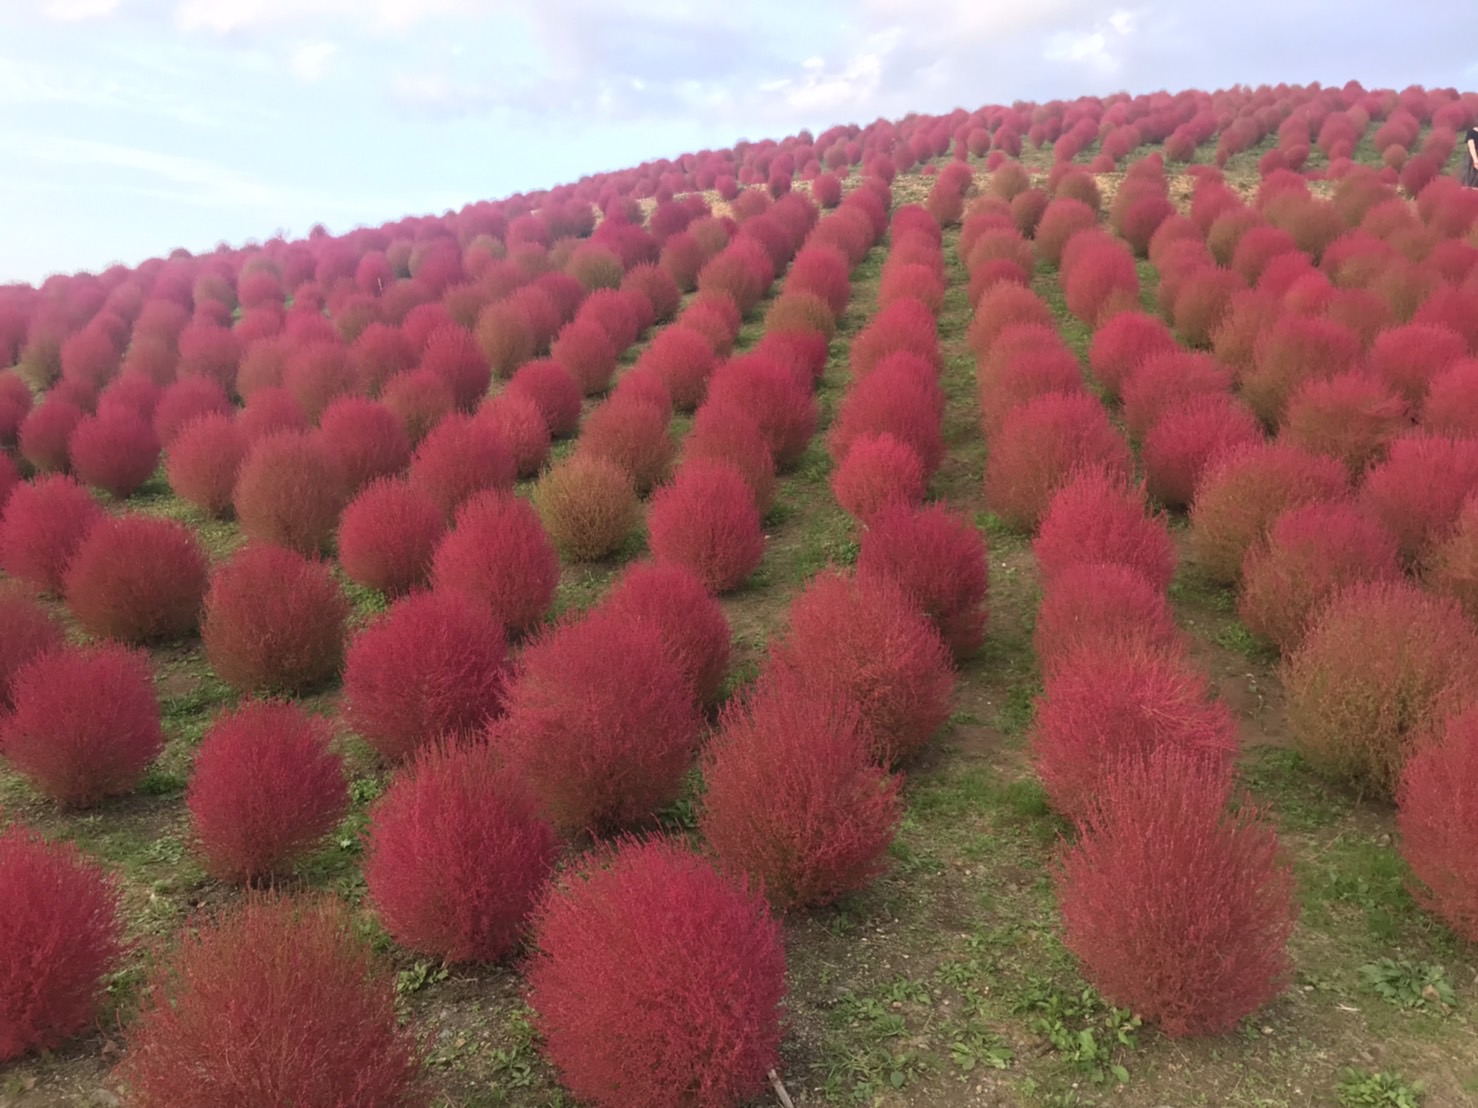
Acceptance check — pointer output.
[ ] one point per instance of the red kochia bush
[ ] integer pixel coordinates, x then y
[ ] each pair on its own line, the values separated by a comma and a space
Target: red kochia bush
634, 435
601, 722
268, 412
939, 559
691, 622
518, 422
45, 431
316, 373
1187, 439
45, 522
1245, 491
365, 438
461, 456
1038, 448
185, 401
1381, 666
554, 390
877, 471
727, 433
29, 632
1162, 381
588, 505
706, 520
500, 556
1099, 517
894, 402
1177, 909
63, 934
431, 668
1408, 357
388, 534
684, 360
1112, 701
290, 492
453, 355
137, 578
116, 452
1122, 343
1350, 416
281, 1002
587, 353
1102, 606
456, 856
274, 620
1311, 552
774, 397
1453, 566
204, 461
633, 953
865, 637
1438, 819
1418, 491
420, 398
265, 789
86, 723
791, 798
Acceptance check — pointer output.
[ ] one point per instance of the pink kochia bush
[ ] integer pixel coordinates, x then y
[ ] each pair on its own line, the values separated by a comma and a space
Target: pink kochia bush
116, 452
657, 981
706, 520
388, 535
366, 438
601, 723
1097, 605
204, 461
85, 725
432, 667
1099, 517
866, 638
690, 621
792, 800
138, 578
62, 936
280, 1002
456, 856
45, 521
461, 456
879, 471
266, 788
1438, 819
290, 491
30, 631
1419, 490
1176, 908
1187, 439
939, 559
1382, 666
499, 556
1108, 702
274, 621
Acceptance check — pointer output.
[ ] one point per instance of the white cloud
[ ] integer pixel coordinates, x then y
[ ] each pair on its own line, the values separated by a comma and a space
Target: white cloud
309, 62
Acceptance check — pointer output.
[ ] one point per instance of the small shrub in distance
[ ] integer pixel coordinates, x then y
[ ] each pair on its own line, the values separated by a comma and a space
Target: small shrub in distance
1176, 908
866, 638
290, 492
588, 507
1437, 816
1108, 702
63, 936
204, 461
1098, 517
706, 521
265, 789
137, 578
186, 401
116, 452
279, 1002
630, 952
692, 624
1101, 606
45, 521
85, 724
601, 724
365, 438
792, 800
388, 535
432, 667
274, 621
420, 398
456, 856
1381, 666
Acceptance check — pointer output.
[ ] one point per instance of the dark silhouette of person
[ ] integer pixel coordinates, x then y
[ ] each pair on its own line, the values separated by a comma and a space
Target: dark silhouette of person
1470, 168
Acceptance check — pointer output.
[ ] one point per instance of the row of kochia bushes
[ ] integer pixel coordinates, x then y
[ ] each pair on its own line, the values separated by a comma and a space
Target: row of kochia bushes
1350, 535
591, 730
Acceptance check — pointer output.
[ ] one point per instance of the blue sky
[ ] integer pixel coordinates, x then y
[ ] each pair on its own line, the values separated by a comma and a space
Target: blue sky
130, 127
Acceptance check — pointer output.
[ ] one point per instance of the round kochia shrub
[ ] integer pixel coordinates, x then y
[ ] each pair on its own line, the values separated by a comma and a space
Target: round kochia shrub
365, 438
878, 471
290, 492
265, 789
138, 578
554, 391
61, 937
1382, 666
865, 638
1453, 567
518, 422
116, 452
1438, 820
1177, 909
274, 621
634, 435
1098, 517
499, 556
706, 521
673, 599
1189, 438
85, 725
601, 723
456, 856
280, 1002
588, 506
30, 631
45, 431
1108, 702
45, 522
1246, 490
1311, 552
204, 461
791, 798
632, 951
432, 667
388, 535
775, 399
461, 456
1419, 490
1351, 416
1102, 606
939, 559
